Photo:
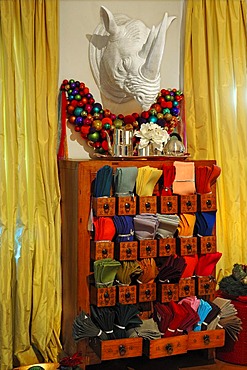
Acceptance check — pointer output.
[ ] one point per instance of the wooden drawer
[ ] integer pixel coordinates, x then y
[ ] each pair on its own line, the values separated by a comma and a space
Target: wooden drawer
103, 297
126, 206
188, 246
207, 244
101, 249
165, 346
148, 248
147, 204
126, 294
117, 348
207, 202
205, 285
169, 204
188, 203
186, 287
126, 251
206, 339
104, 206
166, 247
167, 292
146, 292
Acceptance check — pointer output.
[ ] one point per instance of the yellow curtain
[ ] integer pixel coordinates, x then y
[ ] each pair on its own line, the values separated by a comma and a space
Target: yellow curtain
215, 88
30, 271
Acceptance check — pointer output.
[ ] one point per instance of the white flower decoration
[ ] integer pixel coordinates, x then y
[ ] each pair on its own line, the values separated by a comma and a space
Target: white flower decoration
152, 133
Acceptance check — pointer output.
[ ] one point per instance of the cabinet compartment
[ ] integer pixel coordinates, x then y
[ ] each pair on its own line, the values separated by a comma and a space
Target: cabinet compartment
103, 297
206, 339
166, 247
148, 248
169, 204
167, 292
147, 204
101, 250
126, 251
165, 346
126, 206
117, 348
104, 206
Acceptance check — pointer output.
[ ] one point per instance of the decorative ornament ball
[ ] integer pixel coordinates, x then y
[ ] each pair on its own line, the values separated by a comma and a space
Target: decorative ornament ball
70, 109
94, 136
97, 124
153, 112
79, 121
96, 116
160, 115
84, 113
153, 119
107, 126
168, 117
78, 111
118, 123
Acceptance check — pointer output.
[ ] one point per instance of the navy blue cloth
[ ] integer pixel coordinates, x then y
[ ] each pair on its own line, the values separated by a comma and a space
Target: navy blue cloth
124, 228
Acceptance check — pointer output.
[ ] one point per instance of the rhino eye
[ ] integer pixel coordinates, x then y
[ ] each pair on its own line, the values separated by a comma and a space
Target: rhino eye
140, 98
124, 65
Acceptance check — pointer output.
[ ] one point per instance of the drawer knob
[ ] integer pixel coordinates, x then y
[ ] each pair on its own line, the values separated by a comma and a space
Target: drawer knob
147, 206
127, 296
189, 204
169, 348
186, 289
122, 350
169, 293
106, 296
208, 246
168, 247
169, 205
127, 207
148, 249
206, 287
106, 207
206, 339
128, 252
148, 293
208, 203
189, 248
104, 253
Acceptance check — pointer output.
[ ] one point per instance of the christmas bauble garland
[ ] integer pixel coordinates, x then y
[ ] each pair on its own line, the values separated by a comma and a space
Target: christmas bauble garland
92, 121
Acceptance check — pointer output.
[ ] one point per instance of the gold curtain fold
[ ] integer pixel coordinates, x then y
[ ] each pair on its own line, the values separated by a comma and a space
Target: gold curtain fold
215, 88
30, 221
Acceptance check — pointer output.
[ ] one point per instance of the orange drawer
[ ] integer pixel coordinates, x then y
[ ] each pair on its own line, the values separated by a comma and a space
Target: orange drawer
169, 204
148, 248
167, 292
146, 292
206, 339
207, 244
126, 294
188, 203
165, 346
166, 247
101, 249
186, 287
117, 348
104, 206
148, 204
207, 202
188, 246
127, 251
205, 285
126, 206
103, 297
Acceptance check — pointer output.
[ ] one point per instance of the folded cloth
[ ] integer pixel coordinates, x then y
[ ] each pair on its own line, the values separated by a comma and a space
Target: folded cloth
211, 315
127, 271
205, 177
168, 178
145, 226
149, 271
104, 229
191, 262
124, 228
205, 222
103, 182
167, 225
186, 225
163, 316
171, 270
184, 182
148, 329
146, 180
179, 314
105, 271
124, 181
206, 263
203, 310
189, 321
125, 319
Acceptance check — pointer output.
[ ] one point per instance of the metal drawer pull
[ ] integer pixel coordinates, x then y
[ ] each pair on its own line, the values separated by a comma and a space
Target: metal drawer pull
122, 350
169, 348
206, 339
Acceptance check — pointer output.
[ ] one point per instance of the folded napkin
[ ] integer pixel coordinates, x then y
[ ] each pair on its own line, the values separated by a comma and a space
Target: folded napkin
127, 271
149, 271
148, 330
179, 314
145, 226
205, 177
125, 319
205, 222
167, 225
146, 180
207, 263
104, 229
124, 181
104, 318
186, 225
171, 270
168, 178
163, 315
124, 228
103, 182
203, 310
184, 181
105, 271
190, 319
211, 316
190, 262
84, 327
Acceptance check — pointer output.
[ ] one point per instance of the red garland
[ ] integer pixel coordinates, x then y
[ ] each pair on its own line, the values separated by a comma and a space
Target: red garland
92, 121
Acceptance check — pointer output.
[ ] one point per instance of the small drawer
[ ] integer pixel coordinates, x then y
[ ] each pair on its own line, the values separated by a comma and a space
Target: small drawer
169, 204
188, 203
104, 206
188, 246
206, 339
126, 251
116, 348
207, 244
146, 292
165, 346
148, 204
103, 297
126, 294
167, 292
207, 202
205, 285
148, 248
186, 287
101, 249
126, 206
166, 247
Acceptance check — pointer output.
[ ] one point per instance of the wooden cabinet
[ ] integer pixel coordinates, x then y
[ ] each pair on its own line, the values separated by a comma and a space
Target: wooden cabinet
79, 250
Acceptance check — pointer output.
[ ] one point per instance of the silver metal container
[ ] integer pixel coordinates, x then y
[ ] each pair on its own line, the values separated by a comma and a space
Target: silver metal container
148, 151
122, 143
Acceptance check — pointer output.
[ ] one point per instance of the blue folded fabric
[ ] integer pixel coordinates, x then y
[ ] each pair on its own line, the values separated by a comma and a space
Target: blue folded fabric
124, 228
103, 182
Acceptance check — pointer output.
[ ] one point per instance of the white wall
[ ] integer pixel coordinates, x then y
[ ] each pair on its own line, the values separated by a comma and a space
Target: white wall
79, 18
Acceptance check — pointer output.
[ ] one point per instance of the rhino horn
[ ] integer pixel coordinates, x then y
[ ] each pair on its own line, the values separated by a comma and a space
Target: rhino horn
151, 67
146, 47
109, 22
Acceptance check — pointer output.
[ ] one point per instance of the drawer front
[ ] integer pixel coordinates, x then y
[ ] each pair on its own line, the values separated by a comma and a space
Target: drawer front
167, 292
207, 244
207, 202
165, 346
104, 206
169, 204
167, 247
127, 251
148, 204
188, 203
126, 206
206, 339
147, 292
206, 285
127, 294
186, 287
188, 246
148, 248
103, 297
101, 250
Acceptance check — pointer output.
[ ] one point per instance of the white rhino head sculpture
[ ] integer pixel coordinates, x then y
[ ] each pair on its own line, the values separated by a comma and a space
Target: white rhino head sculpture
125, 57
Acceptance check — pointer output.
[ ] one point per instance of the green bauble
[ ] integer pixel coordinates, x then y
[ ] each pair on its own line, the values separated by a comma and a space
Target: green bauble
94, 136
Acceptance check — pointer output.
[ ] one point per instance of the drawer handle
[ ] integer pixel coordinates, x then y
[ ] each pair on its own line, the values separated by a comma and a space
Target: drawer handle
189, 248
186, 289
148, 293
169, 348
122, 350
189, 204
206, 339
127, 207
169, 205
169, 293
209, 203
104, 253
208, 246
127, 296
106, 296
148, 249
206, 287
168, 247
128, 252
147, 206
106, 207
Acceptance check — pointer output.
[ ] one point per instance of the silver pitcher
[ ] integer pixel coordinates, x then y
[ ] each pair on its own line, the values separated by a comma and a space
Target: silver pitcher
122, 143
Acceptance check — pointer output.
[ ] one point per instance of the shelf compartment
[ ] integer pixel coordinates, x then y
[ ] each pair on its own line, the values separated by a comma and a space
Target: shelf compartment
165, 346
169, 204
126, 206
103, 297
101, 249
166, 247
206, 339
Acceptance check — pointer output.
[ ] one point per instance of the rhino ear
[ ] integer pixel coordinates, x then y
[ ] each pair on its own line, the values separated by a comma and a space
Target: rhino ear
108, 21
